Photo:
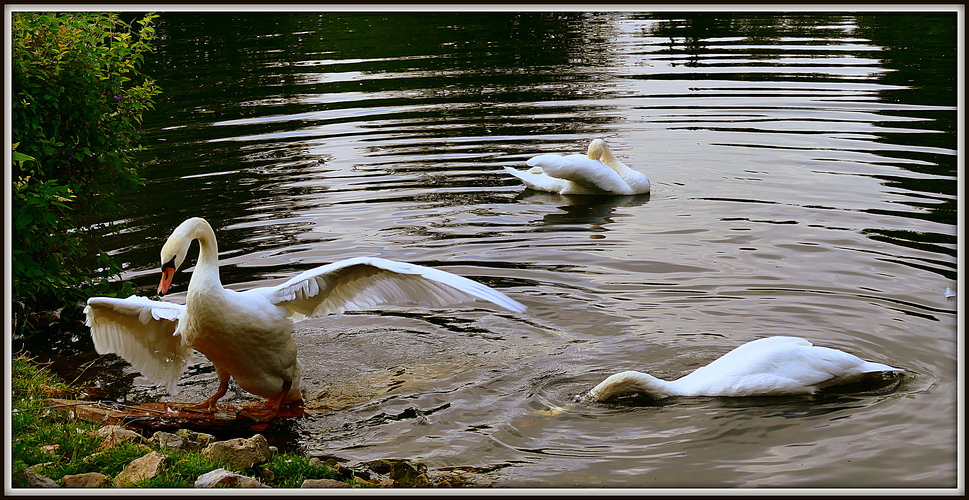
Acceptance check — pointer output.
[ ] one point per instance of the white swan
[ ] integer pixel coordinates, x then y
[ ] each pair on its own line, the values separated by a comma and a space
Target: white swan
246, 335
597, 172
773, 366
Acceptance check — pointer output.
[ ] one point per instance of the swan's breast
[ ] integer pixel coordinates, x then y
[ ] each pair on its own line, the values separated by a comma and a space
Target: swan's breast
240, 319
246, 336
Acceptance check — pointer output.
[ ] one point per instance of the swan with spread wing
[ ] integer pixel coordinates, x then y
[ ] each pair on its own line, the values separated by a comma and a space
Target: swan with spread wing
246, 335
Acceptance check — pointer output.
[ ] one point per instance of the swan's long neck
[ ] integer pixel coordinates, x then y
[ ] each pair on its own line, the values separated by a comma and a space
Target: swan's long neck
610, 159
598, 150
206, 273
637, 181
631, 382
628, 174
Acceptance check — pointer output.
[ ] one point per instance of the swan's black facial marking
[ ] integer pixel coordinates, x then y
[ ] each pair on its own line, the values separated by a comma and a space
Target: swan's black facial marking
168, 273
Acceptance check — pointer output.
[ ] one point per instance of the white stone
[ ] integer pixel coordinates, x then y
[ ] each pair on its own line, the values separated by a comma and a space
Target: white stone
226, 479
115, 434
239, 453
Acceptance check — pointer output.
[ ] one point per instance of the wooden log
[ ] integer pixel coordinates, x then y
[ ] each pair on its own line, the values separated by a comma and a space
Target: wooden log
163, 417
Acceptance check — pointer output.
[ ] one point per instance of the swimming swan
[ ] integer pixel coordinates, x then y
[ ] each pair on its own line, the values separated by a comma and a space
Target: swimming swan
598, 172
246, 335
773, 366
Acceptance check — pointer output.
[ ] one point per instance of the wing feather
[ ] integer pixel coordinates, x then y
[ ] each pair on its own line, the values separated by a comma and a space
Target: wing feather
365, 282
590, 174
539, 180
142, 331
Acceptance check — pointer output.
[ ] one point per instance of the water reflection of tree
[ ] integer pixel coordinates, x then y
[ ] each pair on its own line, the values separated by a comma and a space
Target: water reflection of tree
509, 50
459, 74
492, 74
921, 74
920, 49
693, 33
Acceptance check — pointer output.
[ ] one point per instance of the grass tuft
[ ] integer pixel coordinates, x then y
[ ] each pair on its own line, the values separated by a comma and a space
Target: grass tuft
290, 471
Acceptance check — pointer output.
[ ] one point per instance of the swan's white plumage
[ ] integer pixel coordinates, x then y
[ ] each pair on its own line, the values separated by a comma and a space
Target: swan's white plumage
597, 172
246, 334
158, 351
364, 282
772, 366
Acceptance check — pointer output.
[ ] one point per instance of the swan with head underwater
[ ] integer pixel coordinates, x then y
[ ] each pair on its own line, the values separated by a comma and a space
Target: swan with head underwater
772, 366
246, 335
597, 172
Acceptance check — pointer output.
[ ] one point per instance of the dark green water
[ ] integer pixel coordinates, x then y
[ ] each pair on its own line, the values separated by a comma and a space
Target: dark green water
804, 171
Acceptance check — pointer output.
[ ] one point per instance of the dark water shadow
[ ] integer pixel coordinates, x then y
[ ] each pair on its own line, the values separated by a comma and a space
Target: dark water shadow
593, 211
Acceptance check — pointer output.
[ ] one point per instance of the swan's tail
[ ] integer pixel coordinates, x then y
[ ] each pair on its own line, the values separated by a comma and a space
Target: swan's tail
525, 174
872, 367
536, 178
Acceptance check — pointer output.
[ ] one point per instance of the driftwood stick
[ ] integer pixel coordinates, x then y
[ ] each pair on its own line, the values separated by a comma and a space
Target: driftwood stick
51, 407
138, 408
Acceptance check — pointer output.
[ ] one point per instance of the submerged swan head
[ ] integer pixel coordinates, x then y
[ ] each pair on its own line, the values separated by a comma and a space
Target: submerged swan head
175, 250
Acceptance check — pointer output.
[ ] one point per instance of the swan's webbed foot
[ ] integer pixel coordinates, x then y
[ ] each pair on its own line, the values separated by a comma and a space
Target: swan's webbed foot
260, 415
207, 406
268, 410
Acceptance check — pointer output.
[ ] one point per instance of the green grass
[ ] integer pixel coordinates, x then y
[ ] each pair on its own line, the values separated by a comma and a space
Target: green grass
36, 427
291, 471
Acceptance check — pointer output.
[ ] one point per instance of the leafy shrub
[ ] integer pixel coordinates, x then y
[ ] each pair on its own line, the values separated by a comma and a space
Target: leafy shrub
78, 99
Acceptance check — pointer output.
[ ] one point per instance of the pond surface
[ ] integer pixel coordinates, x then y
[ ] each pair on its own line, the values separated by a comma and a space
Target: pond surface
804, 172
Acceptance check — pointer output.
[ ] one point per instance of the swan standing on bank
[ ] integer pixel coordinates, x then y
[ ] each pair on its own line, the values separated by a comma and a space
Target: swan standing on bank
773, 366
246, 335
597, 172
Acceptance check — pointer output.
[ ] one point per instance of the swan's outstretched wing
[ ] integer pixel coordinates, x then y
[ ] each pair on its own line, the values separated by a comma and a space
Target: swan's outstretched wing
591, 174
142, 331
364, 282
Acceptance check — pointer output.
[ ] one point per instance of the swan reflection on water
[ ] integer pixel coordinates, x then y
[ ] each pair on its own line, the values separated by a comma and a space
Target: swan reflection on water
593, 211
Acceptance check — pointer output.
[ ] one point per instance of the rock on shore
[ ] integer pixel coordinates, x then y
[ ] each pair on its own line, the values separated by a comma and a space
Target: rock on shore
242, 453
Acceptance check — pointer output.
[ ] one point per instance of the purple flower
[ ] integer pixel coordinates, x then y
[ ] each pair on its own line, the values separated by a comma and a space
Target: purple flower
119, 97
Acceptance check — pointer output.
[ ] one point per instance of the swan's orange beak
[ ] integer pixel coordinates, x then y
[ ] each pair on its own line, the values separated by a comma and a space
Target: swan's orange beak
168, 274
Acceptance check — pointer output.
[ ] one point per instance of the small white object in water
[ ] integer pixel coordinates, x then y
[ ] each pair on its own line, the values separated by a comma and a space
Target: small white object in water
949, 294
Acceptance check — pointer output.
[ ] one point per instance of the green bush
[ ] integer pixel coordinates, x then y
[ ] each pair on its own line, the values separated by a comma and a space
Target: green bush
78, 99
